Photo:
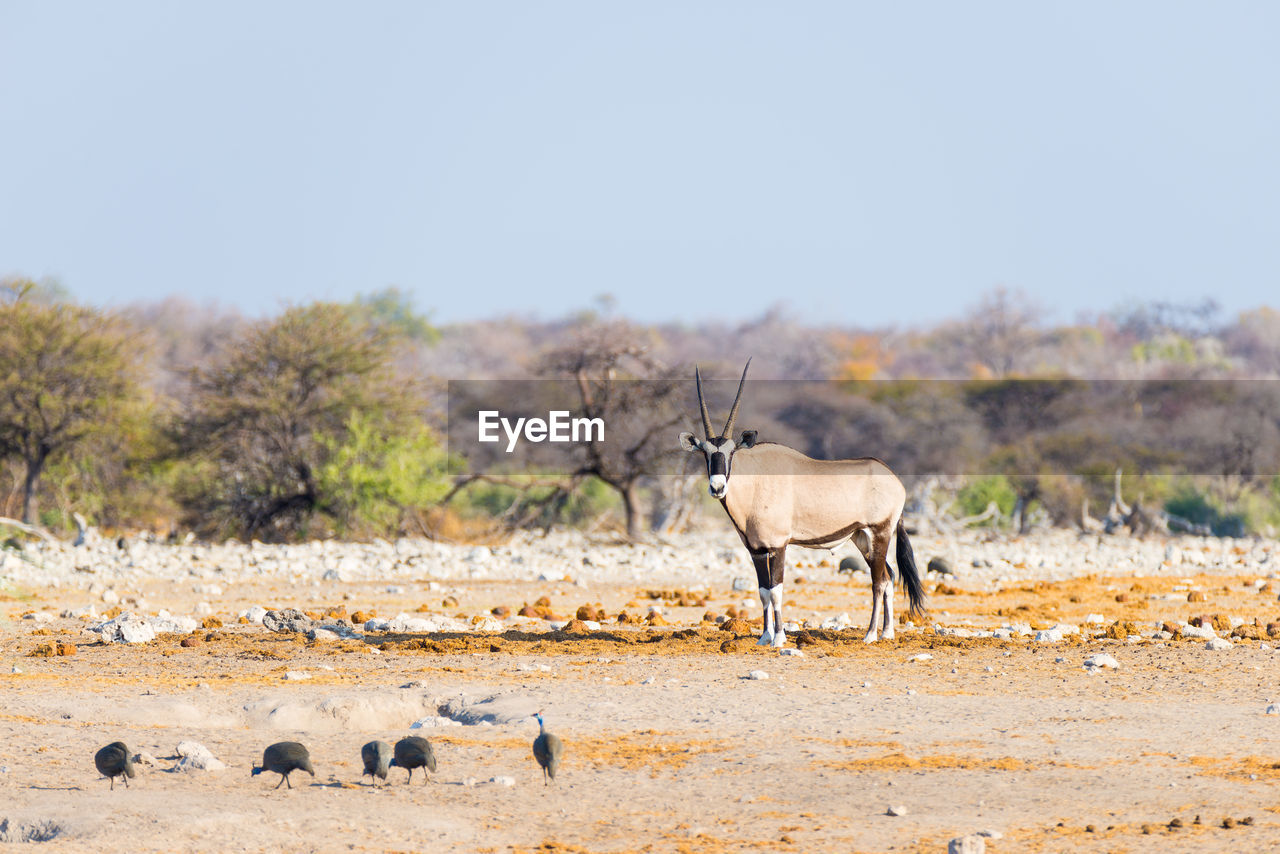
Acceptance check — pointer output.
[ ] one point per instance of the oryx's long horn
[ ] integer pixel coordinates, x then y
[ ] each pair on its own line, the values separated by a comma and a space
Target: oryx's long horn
733, 413
706, 418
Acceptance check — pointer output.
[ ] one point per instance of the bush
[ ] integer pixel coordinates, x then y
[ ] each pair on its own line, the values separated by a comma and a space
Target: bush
975, 495
1196, 506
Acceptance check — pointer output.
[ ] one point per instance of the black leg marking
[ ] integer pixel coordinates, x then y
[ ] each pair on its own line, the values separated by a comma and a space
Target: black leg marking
771, 565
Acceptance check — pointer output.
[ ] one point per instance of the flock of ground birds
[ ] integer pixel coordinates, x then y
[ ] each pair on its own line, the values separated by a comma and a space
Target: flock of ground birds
285, 757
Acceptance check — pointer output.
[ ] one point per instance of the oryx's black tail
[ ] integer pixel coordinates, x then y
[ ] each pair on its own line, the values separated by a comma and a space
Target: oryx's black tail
908, 572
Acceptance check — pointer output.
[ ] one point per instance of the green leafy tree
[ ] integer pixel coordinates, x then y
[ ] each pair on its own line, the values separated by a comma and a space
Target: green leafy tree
373, 477
270, 413
66, 376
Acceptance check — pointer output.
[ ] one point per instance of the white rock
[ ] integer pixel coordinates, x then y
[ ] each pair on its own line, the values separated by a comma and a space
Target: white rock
377, 624
757, 674
125, 628
503, 781
1273, 709
648, 681
1203, 632
322, 635
39, 617
255, 614
741, 584
896, 811
434, 722
1048, 636
173, 625
490, 624
921, 656
194, 756
839, 623
1218, 644
1100, 661
296, 676
790, 651
971, 844
1095, 619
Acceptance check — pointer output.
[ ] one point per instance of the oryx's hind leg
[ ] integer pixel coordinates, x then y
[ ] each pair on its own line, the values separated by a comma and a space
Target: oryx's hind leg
881, 585
770, 568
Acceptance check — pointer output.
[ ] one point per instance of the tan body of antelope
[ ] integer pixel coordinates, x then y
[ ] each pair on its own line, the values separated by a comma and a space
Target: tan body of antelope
776, 496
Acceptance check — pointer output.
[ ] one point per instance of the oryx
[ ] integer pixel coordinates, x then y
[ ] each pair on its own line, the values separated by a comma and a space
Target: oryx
776, 496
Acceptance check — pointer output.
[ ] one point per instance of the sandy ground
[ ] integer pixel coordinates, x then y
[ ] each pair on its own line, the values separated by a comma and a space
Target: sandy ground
669, 745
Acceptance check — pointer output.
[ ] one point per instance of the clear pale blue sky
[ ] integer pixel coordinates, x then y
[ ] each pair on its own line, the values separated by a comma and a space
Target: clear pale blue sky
861, 163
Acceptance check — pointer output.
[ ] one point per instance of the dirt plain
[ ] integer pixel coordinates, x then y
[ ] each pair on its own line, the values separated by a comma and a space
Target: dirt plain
670, 746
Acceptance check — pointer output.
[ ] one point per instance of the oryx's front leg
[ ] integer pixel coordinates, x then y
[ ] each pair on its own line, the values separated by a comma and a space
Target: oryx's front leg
770, 568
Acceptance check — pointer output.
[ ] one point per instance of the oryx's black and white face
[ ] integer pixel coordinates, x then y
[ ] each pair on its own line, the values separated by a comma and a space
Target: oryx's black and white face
718, 450
719, 455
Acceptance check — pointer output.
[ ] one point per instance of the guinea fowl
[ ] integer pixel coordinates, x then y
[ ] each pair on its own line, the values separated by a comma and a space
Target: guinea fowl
114, 761
547, 749
377, 759
284, 758
414, 752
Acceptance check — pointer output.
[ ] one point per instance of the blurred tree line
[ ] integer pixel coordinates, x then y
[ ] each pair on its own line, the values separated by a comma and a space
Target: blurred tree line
328, 419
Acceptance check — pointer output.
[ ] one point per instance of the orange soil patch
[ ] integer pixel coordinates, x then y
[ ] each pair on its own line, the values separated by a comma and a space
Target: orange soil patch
1250, 768
650, 749
939, 761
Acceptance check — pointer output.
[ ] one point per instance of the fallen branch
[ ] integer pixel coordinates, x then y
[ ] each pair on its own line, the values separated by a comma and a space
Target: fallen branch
33, 530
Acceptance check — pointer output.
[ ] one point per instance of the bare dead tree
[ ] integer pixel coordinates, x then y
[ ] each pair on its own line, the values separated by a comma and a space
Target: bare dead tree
619, 382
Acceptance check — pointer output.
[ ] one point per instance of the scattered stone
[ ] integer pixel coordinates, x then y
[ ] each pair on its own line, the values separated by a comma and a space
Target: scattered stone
896, 811
254, 615
971, 844
921, 656
1101, 661
758, 675
125, 628
194, 756
1048, 636
790, 651
1218, 644
940, 565
434, 722
287, 620
1196, 596
839, 623
1273, 709
503, 781
854, 563
296, 676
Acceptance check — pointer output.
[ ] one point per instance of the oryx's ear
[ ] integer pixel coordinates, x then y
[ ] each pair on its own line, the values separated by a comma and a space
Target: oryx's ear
748, 438
688, 442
